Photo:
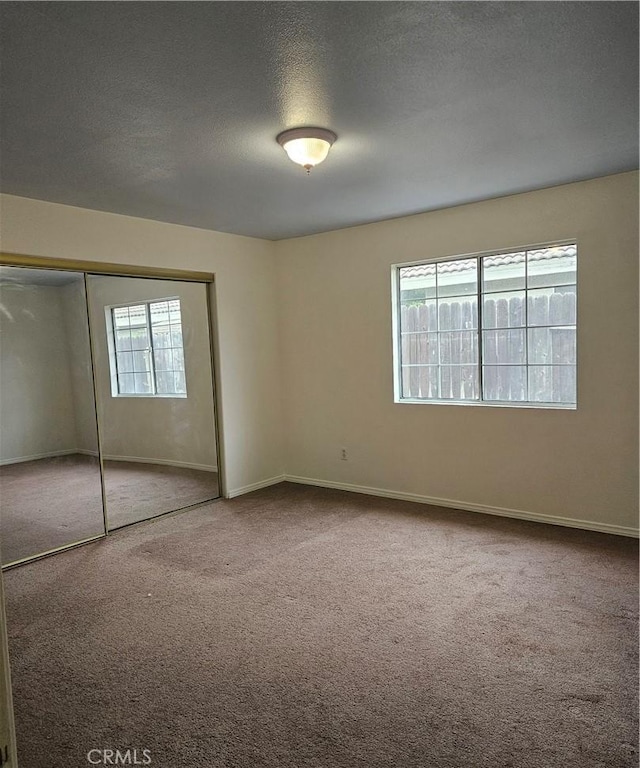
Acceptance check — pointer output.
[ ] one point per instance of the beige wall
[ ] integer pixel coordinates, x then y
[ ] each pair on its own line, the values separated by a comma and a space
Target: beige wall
36, 398
315, 314
179, 431
244, 267
335, 326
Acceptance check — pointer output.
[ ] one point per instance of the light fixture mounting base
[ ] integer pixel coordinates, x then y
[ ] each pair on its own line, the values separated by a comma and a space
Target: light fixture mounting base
306, 133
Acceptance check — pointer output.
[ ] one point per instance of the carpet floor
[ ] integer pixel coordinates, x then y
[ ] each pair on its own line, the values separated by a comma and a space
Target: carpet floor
48, 503
137, 492
52, 502
299, 627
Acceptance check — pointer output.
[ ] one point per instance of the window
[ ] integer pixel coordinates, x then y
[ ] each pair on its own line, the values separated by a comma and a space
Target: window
497, 328
146, 349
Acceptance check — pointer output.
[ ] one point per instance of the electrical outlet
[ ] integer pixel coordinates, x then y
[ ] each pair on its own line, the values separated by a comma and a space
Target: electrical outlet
343, 454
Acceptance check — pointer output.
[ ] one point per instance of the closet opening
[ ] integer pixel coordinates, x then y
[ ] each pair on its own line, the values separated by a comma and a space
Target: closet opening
108, 405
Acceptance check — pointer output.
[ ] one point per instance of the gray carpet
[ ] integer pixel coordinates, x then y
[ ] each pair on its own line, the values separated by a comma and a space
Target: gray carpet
137, 492
307, 628
49, 503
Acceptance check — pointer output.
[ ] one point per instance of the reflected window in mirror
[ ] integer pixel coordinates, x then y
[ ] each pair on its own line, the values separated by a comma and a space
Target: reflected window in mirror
146, 351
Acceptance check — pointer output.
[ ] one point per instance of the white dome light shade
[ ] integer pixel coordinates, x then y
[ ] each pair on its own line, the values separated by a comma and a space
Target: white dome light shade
307, 146
307, 151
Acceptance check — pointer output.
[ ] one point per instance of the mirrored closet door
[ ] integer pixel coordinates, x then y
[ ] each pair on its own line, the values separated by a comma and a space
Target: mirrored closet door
154, 395
50, 488
107, 412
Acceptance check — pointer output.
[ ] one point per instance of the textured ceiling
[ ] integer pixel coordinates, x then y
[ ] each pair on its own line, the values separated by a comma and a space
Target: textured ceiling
170, 110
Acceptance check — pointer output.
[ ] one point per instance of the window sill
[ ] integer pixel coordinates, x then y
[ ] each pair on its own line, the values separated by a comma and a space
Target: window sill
150, 397
485, 404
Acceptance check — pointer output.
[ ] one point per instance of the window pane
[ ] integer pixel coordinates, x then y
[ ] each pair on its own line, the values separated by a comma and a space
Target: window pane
418, 283
176, 336
459, 347
552, 383
137, 316
126, 317
180, 383
504, 310
460, 314
552, 345
125, 362
428, 381
141, 361
470, 381
121, 317
505, 272
178, 359
161, 336
405, 382
163, 359
126, 384
164, 380
458, 382
159, 312
505, 347
174, 312
549, 306
123, 341
551, 266
139, 338
419, 316
143, 383
458, 278
420, 381
171, 383
418, 347
505, 382
428, 316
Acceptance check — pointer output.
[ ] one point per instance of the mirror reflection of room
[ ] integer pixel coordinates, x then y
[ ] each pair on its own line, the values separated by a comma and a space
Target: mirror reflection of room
50, 487
155, 395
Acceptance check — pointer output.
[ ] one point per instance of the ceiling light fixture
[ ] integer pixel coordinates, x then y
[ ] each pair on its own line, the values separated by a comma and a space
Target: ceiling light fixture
306, 146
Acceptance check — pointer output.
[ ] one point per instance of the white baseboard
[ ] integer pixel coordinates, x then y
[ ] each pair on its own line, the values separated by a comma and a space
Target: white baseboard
85, 452
518, 514
163, 462
36, 456
255, 486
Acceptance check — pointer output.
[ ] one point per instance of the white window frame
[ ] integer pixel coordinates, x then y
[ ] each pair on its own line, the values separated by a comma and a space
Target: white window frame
111, 344
397, 343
